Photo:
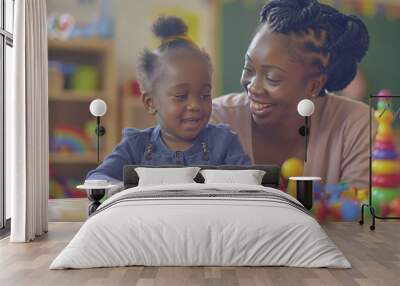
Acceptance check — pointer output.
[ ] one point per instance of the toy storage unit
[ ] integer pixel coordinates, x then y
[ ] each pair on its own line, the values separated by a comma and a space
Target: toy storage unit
80, 70
132, 112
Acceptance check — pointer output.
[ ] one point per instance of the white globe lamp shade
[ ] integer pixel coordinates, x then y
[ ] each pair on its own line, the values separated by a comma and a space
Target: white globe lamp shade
305, 107
98, 107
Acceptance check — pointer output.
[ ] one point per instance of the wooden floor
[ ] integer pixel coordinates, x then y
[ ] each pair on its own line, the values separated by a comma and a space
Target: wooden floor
375, 257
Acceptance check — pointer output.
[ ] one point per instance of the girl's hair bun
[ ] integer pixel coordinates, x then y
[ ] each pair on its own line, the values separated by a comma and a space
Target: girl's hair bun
169, 26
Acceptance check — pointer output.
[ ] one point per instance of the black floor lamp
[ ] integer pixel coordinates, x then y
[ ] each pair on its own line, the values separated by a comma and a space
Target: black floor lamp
97, 108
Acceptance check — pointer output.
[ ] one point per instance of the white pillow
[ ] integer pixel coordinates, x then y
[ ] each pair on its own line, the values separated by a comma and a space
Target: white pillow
164, 176
248, 177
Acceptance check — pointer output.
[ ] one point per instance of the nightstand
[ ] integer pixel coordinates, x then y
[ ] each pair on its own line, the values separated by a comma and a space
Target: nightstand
96, 190
304, 186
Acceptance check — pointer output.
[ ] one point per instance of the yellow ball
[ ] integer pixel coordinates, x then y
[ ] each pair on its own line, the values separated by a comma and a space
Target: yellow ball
362, 195
292, 167
384, 116
349, 194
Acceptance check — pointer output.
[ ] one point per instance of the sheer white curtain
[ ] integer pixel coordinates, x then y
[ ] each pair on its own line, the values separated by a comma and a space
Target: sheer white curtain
27, 124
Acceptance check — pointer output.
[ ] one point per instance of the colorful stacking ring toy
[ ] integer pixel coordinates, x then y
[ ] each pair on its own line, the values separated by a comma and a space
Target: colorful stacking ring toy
385, 195
380, 154
384, 93
386, 181
384, 116
384, 146
385, 167
384, 140
385, 129
385, 137
382, 104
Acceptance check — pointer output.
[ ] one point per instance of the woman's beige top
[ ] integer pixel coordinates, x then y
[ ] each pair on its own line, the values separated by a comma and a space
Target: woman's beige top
339, 137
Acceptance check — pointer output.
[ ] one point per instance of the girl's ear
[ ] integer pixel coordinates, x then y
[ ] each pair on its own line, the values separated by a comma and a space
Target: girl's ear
148, 103
317, 84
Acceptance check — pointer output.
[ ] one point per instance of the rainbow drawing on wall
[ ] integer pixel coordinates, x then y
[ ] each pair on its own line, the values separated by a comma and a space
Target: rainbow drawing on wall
65, 188
69, 139
90, 130
385, 161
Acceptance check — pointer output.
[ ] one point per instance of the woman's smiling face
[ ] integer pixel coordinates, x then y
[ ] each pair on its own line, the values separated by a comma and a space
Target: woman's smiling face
275, 77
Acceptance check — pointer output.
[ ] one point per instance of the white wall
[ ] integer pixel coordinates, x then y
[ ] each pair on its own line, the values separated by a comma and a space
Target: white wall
132, 24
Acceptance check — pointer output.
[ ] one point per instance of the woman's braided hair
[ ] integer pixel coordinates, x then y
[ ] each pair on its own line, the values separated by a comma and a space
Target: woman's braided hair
345, 44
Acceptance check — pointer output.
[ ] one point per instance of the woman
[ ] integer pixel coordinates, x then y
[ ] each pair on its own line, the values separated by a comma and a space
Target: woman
302, 49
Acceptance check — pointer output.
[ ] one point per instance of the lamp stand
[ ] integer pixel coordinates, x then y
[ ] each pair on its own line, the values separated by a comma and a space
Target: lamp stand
305, 131
100, 131
95, 195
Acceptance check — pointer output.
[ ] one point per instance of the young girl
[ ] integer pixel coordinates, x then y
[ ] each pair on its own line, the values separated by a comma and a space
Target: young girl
175, 82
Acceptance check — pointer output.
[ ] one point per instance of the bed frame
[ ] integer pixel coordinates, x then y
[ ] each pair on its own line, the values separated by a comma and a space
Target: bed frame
270, 179
131, 178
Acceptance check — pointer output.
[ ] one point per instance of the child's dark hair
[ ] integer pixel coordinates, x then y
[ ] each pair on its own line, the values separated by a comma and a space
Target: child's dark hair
172, 32
345, 44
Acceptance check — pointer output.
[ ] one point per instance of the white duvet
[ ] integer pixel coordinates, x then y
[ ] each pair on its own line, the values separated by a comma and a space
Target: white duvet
189, 230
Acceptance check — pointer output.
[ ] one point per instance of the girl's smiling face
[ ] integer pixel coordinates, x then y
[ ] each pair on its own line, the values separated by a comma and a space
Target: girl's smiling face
182, 98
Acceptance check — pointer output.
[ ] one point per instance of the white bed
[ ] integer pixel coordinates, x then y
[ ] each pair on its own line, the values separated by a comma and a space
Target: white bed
222, 225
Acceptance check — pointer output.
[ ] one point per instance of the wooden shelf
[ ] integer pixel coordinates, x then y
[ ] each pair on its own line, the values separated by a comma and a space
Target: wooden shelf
134, 101
134, 114
81, 44
74, 96
71, 108
90, 158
